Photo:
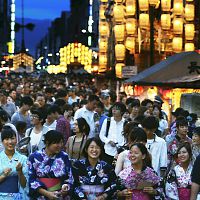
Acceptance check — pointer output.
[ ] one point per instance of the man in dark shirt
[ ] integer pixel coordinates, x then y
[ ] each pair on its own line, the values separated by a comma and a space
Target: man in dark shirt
195, 180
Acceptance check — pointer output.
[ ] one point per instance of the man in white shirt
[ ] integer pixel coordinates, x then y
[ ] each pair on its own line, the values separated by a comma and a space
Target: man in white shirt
156, 145
87, 112
112, 136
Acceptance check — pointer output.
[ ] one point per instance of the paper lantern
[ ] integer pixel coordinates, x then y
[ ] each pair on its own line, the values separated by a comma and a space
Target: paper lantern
189, 31
154, 2
120, 52
104, 1
119, 31
102, 59
103, 28
178, 7
130, 7
102, 68
143, 5
118, 1
189, 12
138, 90
103, 45
189, 46
118, 69
177, 44
130, 43
131, 26
178, 26
102, 11
118, 12
144, 20
165, 21
166, 5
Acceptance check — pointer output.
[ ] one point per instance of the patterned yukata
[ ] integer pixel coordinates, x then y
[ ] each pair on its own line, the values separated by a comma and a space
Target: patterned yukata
97, 180
131, 180
179, 183
5, 162
42, 166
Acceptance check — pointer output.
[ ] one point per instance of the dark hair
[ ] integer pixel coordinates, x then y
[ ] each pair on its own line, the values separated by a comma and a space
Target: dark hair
121, 106
41, 114
188, 147
100, 105
135, 103
61, 93
26, 100
128, 128
21, 125
53, 109
83, 126
53, 137
160, 111
197, 130
150, 122
129, 100
93, 97
7, 132
3, 115
181, 122
137, 134
98, 142
144, 151
146, 101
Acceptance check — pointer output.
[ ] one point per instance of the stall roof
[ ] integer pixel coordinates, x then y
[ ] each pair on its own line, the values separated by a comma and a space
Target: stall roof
172, 71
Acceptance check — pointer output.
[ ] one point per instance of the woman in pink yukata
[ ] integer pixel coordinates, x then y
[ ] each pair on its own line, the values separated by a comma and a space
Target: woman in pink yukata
139, 181
179, 179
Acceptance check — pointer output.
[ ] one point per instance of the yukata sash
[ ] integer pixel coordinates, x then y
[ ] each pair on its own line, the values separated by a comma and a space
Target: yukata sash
52, 184
9, 185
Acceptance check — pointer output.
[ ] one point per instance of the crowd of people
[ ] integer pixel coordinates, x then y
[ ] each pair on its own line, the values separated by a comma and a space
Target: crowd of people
62, 139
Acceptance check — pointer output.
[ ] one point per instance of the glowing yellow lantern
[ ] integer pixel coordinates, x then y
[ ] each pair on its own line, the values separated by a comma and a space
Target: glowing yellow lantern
144, 20
118, 1
165, 21
102, 59
118, 12
189, 12
119, 31
178, 25
144, 5
130, 43
153, 2
102, 68
103, 44
131, 26
120, 52
102, 11
177, 44
178, 7
103, 28
118, 69
130, 7
189, 31
189, 46
104, 1
166, 5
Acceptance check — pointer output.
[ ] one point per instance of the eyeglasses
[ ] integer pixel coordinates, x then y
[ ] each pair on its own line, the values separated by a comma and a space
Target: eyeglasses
34, 116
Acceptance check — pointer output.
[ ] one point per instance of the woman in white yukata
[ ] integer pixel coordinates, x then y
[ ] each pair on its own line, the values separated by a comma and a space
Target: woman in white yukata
13, 168
178, 186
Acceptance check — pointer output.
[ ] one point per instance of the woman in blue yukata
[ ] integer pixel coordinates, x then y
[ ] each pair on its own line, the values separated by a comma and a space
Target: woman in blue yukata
94, 179
178, 186
50, 174
13, 168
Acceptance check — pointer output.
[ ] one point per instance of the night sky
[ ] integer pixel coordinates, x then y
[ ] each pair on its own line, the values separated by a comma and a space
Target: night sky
42, 9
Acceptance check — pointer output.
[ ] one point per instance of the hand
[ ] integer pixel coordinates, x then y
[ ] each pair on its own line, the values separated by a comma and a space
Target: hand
7, 171
125, 193
19, 167
112, 144
101, 197
149, 190
52, 195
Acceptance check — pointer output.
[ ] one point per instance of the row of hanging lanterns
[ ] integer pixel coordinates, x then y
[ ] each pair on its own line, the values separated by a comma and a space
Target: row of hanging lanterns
175, 29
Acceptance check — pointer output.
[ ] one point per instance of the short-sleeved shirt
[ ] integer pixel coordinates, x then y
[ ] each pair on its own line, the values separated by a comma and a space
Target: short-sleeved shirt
196, 172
